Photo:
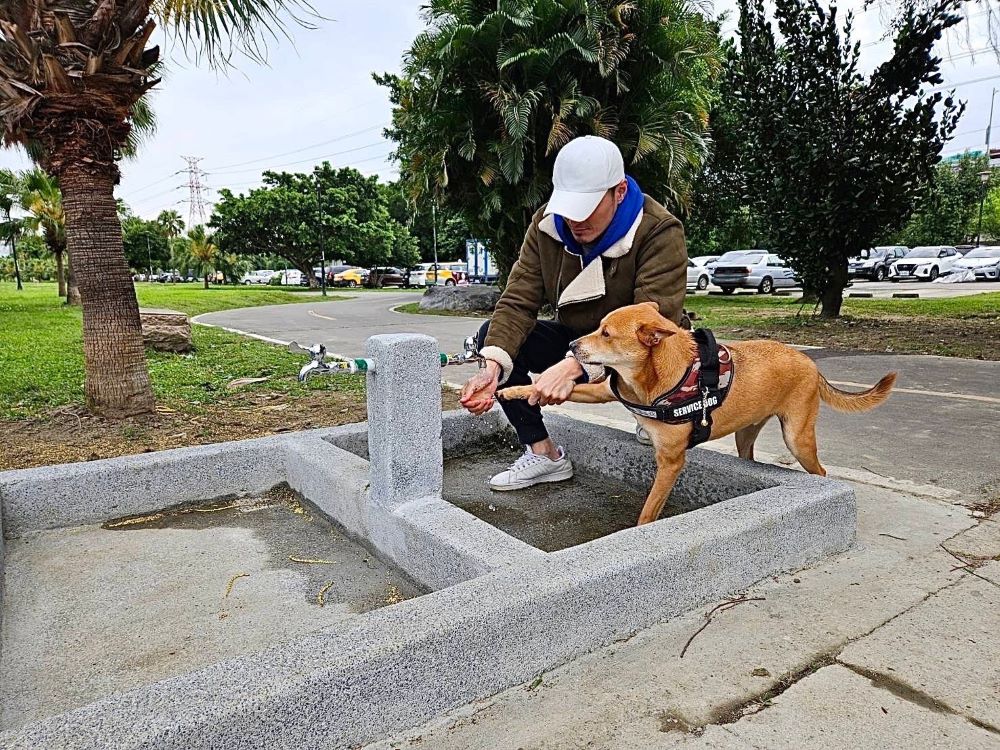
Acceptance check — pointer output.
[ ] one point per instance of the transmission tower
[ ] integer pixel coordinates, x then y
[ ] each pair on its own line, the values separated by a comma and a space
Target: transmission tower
196, 191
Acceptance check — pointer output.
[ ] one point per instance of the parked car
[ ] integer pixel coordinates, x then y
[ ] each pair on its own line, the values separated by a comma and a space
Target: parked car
698, 276
386, 276
752, 269
262, 276
925, 263
459, 272
352, 277
875, 263
168, 278
423, 274
983, 261
965, 249
288, 277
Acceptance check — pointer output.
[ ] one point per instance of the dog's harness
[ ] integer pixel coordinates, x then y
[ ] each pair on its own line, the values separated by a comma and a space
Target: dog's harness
701, 390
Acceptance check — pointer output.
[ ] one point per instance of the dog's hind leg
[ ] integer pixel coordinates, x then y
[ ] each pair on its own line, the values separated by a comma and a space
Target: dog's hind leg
746, 437
799, 431
668, 466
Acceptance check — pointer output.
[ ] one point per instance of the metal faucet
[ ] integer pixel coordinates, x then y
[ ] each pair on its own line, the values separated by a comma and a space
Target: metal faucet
319, 366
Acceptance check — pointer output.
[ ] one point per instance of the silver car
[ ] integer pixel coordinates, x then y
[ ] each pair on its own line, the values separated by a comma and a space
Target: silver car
752, 269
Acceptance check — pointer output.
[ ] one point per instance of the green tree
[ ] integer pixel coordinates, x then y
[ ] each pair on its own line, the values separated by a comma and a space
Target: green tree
42, 199
73, 77
947, 212
836, 159
197, 253
294, 216
171, 223
145, 245
720, 217
10, 228
491, 91
452, 229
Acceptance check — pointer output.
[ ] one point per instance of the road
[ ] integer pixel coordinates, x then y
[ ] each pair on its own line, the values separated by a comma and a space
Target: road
940, 428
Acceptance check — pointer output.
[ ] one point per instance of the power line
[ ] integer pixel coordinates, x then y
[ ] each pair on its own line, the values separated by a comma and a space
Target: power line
962, 83
311, 159
300, 150
355, 161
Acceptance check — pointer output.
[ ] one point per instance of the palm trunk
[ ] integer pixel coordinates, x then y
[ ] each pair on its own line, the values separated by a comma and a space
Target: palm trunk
206, 281
72, 290
60, 273
117, 378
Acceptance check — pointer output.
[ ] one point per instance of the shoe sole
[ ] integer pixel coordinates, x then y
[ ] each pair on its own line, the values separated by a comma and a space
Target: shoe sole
560, 477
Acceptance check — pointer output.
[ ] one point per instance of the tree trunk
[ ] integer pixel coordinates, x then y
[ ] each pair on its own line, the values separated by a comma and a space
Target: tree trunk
72, 290
206, 281
117, 378
833, 295
60, 273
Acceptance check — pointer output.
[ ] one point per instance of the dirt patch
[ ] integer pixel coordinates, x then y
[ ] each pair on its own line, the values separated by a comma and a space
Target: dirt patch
70, 434
973, 337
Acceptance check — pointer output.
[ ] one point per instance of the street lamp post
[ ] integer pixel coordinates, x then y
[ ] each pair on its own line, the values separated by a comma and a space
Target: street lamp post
984, 177
434, 230
319, 238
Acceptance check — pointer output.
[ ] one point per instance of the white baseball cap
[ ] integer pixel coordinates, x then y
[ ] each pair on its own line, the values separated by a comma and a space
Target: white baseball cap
585, 169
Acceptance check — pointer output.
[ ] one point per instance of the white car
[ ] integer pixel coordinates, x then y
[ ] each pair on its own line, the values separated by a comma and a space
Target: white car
752, 269
423, 274
984, 262
262, 276
698, 273
925, 263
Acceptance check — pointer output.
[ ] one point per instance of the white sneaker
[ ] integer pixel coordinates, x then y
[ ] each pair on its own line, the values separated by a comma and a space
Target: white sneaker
531, 469
642, 435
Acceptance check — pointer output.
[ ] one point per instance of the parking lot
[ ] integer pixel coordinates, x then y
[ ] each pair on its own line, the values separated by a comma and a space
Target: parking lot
886, 289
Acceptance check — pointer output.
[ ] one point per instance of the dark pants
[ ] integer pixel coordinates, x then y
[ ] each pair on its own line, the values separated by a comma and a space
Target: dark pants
545, 346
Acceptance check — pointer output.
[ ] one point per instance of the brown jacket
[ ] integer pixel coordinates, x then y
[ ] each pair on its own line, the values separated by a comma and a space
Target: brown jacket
648, 264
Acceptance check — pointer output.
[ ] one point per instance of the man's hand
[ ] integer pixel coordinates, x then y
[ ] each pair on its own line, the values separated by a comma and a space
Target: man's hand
556, 384
479, 390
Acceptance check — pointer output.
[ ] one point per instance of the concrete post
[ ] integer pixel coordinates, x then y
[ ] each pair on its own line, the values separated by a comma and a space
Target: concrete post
404, 418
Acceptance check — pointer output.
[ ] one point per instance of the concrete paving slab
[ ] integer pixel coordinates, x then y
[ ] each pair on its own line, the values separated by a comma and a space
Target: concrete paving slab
981, 541
806, 618
836, 708
203, 583
947, 648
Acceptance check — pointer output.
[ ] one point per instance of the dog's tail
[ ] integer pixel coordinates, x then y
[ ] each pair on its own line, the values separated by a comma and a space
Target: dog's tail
862, 401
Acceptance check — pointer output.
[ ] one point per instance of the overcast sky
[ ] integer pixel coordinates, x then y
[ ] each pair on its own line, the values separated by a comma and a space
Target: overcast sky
316, 101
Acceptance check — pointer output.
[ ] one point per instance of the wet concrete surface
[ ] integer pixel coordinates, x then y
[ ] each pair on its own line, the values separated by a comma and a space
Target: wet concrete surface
550, 516
98, 609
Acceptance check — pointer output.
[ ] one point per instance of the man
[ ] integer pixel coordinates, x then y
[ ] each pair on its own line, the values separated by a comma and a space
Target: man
597, 245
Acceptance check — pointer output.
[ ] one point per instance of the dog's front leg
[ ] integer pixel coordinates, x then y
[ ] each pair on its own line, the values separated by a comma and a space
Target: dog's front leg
669, 462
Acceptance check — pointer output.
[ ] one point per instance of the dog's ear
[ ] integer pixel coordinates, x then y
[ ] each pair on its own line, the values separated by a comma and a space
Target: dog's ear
651, 334
652, 304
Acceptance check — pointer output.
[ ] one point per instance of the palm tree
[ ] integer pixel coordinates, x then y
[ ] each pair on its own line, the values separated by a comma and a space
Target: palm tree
42, 199
197, 252
10, 228
171, 223
72, 75
491, 91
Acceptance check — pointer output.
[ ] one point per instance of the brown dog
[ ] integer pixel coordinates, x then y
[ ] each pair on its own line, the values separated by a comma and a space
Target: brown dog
651, 355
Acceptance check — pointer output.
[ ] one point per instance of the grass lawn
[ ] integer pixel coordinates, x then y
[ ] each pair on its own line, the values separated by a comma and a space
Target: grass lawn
42, 419
956, 327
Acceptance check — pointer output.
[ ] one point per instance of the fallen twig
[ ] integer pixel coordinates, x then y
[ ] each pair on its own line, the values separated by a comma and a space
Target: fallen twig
722, 607
968, 567
891, 536
308, 561
232, 582
322, 593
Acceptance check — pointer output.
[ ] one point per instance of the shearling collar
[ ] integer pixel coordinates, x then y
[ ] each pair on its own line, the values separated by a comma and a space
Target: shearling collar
589, 285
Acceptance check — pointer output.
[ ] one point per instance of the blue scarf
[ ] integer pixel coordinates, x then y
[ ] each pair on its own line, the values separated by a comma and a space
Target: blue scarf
622, 221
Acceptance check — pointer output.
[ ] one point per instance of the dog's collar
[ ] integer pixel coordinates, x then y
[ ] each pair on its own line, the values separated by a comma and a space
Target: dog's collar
701, 390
